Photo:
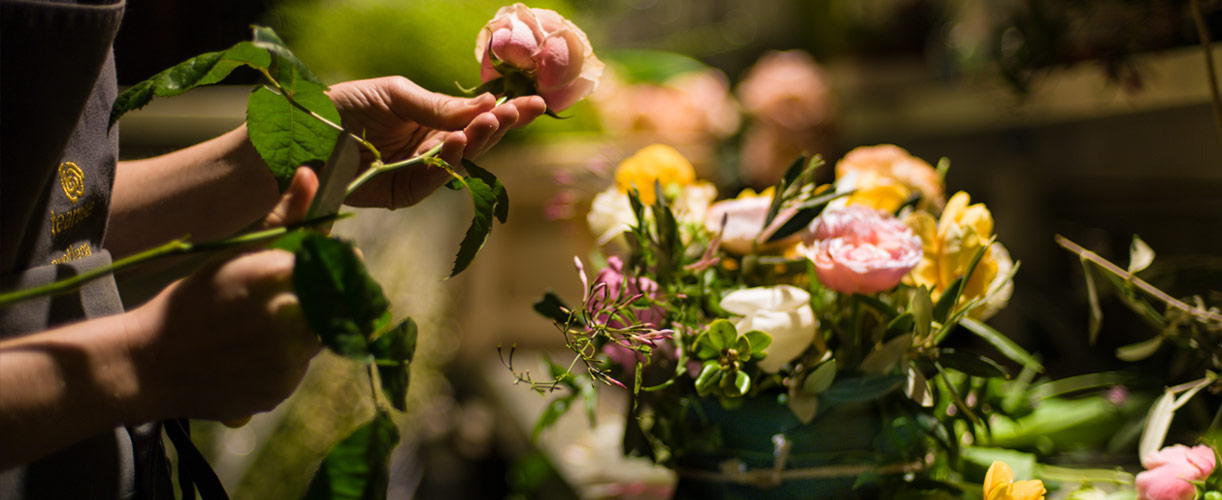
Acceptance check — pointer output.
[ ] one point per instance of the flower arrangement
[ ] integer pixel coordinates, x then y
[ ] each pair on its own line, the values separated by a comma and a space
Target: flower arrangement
802, 306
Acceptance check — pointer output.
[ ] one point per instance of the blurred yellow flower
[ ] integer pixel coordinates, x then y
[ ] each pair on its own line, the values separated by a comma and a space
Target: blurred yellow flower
657, 162
868, 168
999, 484
950, 243
885, 197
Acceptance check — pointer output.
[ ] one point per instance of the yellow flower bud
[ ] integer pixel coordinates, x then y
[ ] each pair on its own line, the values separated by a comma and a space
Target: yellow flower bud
656, 163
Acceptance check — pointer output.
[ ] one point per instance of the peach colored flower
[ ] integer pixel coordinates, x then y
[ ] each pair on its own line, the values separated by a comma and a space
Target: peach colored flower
861, 250
1169, 471
869, 167
541, 44
787, 89
691, 106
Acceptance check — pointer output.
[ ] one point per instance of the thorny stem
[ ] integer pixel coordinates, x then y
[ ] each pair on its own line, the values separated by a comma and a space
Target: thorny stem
1138, 282
1203, 31
175, 247
379, 168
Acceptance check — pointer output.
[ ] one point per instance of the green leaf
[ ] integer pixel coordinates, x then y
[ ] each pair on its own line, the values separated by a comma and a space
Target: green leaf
1002, 343
722, 334
551, 307
902, 324
501, 210
884, 359
807, 212
821, 379
922, 312
1140, 255
393, 353
858, 389
339, 300
552, 413
204, 69
267, 39
971, 364
489, 199
742, 384
1158, 421
286, 136
1140, 350
357, 467
710, 375
946, 304
758, 341
1092, 296
290, 242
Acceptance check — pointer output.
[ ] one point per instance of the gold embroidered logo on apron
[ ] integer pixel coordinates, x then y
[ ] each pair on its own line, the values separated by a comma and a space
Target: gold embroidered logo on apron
72, 179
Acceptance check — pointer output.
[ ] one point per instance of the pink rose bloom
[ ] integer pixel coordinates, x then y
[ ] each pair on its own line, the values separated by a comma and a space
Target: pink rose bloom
787, 89
858, 249
1169, 471
545, 47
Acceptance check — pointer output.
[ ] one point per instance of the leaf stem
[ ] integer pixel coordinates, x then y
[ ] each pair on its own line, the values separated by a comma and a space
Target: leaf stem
175, 247
1138, 282
378, 168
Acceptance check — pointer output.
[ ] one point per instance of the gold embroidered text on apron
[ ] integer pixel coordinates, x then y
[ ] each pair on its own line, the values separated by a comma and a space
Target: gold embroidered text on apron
72, 179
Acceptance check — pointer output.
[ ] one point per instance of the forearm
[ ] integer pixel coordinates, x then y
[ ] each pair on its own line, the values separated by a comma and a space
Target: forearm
64, 385
207, 191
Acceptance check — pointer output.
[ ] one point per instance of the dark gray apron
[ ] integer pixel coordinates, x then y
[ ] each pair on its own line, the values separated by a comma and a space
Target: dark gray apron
57, 163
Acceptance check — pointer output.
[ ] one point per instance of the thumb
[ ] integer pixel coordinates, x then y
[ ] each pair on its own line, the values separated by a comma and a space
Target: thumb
412, 102
295, 201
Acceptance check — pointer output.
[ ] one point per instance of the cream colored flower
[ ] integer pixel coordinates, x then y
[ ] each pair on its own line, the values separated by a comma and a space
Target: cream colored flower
781, 311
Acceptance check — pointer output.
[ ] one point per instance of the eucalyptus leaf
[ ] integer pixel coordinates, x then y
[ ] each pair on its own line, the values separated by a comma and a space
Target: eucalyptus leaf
1140, 350
971, 364
339, 300
357, 467
1002, 343
1140, 255
204, 69
393, 352
1158, 421
286, 136
821, 379
859, 389
882, 360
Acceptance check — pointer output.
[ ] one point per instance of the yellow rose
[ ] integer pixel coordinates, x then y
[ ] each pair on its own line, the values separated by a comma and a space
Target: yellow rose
949, 245
999, 484
658, 162
887, 165
885, 197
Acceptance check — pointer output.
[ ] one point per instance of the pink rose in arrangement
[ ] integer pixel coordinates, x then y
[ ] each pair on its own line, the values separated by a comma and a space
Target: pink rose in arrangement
551, 52
861, 250
744, 218
1169, 471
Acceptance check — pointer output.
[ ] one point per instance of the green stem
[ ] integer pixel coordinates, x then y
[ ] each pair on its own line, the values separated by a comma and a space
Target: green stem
377, 168
175, 247
1203, 31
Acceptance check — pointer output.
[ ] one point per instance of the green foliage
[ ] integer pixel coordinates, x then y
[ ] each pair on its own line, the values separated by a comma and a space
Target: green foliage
204, 69
392, 353
725, 353
357, 467
339, 299
268, 40
489, 199
287, 136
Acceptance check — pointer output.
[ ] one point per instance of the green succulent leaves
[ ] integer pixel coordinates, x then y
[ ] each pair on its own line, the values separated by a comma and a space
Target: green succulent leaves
725, 355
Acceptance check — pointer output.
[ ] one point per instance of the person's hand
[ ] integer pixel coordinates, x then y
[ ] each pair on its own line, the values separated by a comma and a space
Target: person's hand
225, 342
403, 120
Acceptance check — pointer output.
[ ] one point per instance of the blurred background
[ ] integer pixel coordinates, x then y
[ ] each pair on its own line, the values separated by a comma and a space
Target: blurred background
1086, 118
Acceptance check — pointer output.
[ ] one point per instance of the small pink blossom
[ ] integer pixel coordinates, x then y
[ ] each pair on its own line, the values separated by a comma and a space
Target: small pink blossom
858, 249
541, 44
1169, 471
612, 288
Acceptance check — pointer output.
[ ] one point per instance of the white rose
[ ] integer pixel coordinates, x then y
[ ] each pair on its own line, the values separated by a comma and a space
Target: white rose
610, 215
781, 311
